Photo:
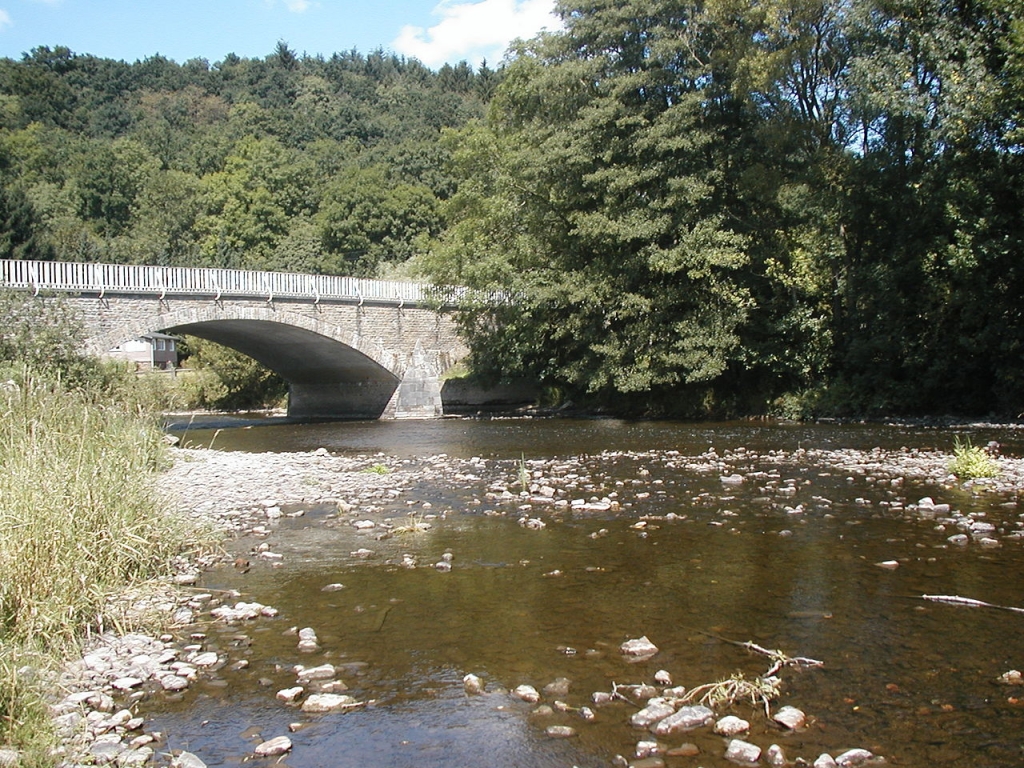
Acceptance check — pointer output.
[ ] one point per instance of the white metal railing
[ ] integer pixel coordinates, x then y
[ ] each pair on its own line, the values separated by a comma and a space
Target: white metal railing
105, 279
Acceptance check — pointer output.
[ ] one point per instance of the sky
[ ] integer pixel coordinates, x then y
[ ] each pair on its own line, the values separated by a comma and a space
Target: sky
434, 31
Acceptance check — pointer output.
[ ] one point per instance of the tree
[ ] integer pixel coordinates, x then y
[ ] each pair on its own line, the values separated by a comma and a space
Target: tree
592, 194
366, 219
20, 235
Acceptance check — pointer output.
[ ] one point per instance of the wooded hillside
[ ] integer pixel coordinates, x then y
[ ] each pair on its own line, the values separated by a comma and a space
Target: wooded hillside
286, 163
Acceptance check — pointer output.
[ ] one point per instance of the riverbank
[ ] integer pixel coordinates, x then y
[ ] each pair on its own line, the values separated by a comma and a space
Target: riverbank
249, 495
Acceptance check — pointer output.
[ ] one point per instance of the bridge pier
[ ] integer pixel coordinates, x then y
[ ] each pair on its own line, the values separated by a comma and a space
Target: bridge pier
350, 400
416, 396
419, 394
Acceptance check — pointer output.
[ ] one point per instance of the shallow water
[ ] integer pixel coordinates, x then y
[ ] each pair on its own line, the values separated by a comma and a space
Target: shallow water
912, 680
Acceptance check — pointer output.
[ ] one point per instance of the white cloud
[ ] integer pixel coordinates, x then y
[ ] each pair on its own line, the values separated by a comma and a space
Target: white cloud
294, 6
5, 20
475, 30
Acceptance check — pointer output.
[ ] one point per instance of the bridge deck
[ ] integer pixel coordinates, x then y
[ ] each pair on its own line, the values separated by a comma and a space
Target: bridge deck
188, 281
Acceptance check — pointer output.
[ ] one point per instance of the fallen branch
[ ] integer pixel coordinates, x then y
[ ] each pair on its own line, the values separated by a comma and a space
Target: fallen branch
968, 602
779, 659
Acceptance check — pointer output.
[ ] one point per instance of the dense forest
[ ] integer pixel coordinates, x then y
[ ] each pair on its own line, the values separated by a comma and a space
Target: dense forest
791, 206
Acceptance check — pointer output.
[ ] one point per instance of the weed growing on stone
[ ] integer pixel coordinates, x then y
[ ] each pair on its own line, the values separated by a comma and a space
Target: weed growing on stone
971, 462
522, 473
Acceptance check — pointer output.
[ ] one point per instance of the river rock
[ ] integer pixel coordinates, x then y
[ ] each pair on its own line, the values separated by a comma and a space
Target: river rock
640, 647
641, 692
775, 756
333, 686
135, 757
558, 688
126, 683
730, 725
742, 751
560, 731
186, 760
273, 747
685, 719
655, 711
1013, 677
662, 677
329, 702
308, 640
648, 762
207, 659
854, 757
240, 611
289, 695
322, 672
790, 717
825, 761
472, 684
527, 693
646, 749
106, 748
174, 683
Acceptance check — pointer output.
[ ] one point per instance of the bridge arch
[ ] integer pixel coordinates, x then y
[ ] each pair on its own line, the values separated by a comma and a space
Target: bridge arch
331, 370
259, 333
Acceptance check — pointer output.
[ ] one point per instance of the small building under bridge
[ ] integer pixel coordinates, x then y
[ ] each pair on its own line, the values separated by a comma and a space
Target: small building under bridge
155, 351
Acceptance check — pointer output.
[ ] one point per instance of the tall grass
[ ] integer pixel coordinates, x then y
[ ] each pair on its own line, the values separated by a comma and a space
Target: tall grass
79, 521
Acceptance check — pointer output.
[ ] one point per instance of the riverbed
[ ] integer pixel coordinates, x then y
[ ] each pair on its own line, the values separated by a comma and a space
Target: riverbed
526, 552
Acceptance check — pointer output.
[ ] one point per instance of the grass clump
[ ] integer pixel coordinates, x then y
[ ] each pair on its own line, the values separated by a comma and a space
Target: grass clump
971, 462
79, 523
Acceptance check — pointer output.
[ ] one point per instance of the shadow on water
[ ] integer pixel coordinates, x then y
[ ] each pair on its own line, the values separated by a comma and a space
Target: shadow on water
914, 681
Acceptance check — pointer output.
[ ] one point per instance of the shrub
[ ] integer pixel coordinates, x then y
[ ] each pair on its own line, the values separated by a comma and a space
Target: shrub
971, 462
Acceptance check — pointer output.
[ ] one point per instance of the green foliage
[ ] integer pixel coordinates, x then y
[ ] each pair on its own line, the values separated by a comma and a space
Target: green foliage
589, 195
220, 378
24, 715
43, 336
971, 462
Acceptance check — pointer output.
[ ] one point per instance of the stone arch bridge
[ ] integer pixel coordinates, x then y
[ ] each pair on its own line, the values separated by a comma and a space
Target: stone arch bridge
347, 347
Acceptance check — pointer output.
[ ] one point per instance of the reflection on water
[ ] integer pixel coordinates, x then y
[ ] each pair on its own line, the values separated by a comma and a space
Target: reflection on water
914, 681
543, 438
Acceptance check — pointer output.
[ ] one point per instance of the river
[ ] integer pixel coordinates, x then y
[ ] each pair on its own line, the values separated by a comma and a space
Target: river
791, 553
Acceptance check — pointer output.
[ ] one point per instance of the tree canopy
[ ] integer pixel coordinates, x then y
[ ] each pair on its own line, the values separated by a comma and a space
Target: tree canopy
723, 207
